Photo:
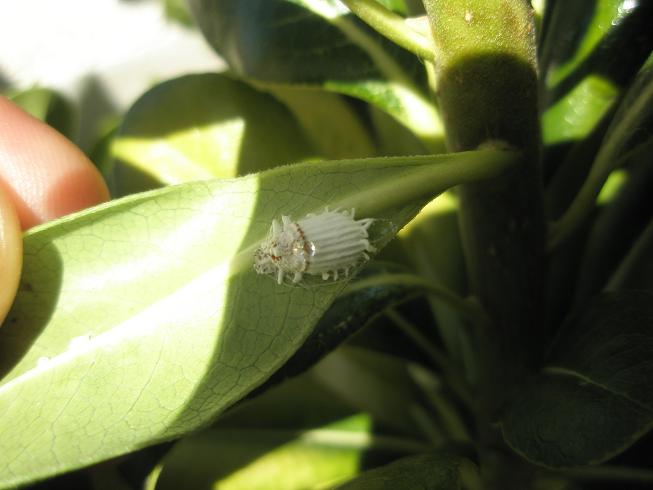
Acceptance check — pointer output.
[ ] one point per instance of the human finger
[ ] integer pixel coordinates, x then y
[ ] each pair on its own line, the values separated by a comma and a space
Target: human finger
11, 253
44, 174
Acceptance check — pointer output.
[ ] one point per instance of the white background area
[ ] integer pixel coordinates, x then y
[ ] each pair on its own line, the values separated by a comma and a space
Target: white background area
100, 53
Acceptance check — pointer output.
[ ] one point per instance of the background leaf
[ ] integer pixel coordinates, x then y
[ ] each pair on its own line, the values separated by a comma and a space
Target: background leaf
373, 382
50, 107
329, 120
433, 245
351, 311
587, 70
392, 137
177, 11
584, 37
268, 442
264, 459
628, 131
437, 471
202, 126
590, 52
616, 232
142, 319
636, 269
337, 52
594, 398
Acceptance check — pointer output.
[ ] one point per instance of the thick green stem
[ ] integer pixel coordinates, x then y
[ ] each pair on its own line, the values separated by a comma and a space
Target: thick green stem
487, 90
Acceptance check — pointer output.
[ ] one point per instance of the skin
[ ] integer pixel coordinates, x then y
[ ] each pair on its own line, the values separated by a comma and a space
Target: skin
42, 176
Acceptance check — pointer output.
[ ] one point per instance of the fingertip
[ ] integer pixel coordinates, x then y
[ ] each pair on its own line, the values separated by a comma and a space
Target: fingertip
45, 175
11, 253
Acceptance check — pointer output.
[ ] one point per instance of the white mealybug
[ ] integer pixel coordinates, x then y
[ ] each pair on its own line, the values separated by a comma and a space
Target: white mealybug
320, 244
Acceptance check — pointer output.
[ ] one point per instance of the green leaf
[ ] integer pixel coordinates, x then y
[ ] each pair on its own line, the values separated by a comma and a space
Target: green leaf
252, 445
574, 116
314, 405
142, 319
614, 234
394, 27
392, 137
260, 459
629, 128
101, 152
315, 441
202, 126
397, 6
636, 270
372, 292
376, 383
611, 37
594, 398
319, 43
436, 471
433, 245
330, 122
590, 52
572, 165
50, 107
177, 11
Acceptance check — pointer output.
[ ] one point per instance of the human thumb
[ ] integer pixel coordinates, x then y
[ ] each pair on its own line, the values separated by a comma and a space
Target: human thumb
11, 253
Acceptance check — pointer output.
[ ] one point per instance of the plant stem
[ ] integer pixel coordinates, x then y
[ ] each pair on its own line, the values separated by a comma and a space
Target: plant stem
391, 26
487, 89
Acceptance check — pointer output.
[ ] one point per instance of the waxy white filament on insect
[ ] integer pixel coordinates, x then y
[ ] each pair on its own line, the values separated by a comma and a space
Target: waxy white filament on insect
324, 244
